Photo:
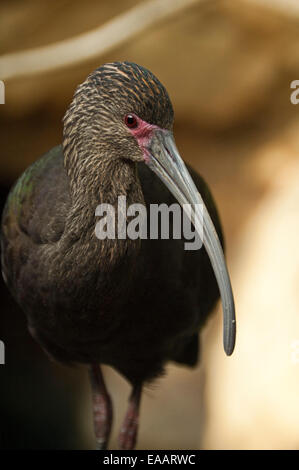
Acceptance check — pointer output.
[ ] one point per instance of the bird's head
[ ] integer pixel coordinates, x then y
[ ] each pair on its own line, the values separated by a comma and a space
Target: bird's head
124, 112
119, 107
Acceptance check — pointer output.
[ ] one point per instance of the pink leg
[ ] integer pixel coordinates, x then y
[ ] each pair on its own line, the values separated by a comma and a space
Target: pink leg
102, 407
128, 433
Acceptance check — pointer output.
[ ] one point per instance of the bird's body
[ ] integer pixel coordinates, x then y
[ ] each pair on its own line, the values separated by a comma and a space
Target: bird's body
131, 303
133, 306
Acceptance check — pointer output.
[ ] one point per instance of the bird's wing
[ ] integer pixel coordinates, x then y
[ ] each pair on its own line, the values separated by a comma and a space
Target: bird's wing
187, 351
203, 282
189, 354
35, 210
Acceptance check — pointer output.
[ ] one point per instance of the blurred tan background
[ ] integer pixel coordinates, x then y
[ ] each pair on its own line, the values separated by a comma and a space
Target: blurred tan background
228, 66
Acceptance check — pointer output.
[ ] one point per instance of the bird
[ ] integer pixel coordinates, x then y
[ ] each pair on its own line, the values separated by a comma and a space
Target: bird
136, 303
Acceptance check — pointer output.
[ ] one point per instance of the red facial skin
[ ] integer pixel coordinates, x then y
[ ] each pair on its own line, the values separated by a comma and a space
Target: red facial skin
143, 133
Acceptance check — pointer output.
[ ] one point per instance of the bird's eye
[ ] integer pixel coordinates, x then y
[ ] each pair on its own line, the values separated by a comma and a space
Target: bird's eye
131, 121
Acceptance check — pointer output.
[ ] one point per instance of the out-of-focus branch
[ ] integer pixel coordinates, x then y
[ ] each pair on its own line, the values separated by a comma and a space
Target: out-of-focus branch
92, 44
286, 7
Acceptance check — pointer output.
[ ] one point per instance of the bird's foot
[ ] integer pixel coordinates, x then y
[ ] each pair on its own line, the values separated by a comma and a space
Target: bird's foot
102, 408
128, 433
102, 418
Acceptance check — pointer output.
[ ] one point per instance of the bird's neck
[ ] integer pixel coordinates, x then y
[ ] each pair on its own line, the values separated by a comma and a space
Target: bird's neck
97, 180
102, 180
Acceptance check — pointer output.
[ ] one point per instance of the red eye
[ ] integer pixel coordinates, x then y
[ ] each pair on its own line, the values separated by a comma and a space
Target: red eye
131, 121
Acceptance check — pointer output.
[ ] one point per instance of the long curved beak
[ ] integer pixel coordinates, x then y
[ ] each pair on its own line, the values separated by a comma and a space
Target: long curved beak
164, 159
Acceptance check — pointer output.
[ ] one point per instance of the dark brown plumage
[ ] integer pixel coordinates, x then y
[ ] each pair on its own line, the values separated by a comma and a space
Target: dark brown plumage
132, 304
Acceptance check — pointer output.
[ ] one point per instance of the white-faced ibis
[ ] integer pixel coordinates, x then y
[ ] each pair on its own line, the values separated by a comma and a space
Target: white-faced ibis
131, 304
